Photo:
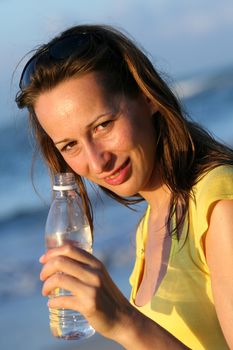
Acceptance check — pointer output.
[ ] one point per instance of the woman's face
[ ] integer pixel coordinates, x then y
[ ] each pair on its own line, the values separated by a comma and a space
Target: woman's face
109, 140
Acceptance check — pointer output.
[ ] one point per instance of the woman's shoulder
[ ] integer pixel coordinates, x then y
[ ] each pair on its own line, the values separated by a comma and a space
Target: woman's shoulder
215, 184
221, 170
215, 179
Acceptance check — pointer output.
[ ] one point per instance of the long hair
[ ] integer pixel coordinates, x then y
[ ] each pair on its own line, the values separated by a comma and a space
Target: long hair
185, 151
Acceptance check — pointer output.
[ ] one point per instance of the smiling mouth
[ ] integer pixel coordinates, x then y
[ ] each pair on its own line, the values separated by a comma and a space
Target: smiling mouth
120, 175
114, 175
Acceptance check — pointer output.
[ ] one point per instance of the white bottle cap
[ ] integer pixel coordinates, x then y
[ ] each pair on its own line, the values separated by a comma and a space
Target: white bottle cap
64, 187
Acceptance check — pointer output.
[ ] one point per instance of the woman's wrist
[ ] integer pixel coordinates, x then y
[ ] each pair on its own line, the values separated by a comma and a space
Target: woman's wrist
128, 330
138, 332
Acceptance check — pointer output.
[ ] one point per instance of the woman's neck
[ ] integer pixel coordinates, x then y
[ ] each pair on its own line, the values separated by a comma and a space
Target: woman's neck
159, 199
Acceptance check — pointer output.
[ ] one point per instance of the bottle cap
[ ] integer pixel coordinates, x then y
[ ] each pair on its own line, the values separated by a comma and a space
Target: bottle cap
64, 182
64, 187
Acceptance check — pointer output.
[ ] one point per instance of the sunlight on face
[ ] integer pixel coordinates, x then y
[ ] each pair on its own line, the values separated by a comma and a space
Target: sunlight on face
108, 140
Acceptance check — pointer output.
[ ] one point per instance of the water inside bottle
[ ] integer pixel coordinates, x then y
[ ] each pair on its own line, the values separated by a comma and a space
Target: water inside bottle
81, 238
69, 324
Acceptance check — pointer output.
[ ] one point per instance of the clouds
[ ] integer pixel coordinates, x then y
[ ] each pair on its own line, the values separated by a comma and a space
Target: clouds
182, 17
184, 33
181, 36
196, 20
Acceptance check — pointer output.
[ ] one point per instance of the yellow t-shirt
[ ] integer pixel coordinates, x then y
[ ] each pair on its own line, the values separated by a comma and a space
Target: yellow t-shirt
183, 303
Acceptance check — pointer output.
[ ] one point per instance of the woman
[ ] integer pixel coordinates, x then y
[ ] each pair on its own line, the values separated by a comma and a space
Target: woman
99, 108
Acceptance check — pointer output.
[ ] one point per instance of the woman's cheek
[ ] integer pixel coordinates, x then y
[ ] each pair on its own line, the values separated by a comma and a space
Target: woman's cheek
78, 165
123, 137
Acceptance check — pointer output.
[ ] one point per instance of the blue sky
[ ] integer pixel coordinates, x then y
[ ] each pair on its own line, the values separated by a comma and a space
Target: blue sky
181, 36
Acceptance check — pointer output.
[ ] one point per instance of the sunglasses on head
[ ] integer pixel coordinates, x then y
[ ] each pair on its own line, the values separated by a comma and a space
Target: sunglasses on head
59, 50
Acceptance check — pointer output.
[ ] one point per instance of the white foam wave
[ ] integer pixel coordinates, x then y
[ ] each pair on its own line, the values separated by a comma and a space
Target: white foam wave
190, 87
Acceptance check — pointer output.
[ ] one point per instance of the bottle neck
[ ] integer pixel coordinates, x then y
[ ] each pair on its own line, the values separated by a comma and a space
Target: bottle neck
64, 193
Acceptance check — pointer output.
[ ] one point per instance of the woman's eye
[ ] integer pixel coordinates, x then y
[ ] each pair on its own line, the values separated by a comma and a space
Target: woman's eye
103, 125
69, 146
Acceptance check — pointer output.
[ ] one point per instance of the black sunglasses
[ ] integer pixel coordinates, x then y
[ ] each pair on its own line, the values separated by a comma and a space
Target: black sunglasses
59, 50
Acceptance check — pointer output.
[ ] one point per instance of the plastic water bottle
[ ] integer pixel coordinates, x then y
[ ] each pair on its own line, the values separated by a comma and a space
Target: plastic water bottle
66, 223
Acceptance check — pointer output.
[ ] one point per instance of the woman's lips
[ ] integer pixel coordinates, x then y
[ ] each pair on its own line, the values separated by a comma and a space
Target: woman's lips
121, 175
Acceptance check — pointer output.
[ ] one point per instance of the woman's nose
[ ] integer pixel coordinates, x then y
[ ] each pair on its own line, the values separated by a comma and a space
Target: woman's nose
99, 159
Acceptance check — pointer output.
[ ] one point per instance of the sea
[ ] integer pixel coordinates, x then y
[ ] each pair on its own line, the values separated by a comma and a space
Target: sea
25, 199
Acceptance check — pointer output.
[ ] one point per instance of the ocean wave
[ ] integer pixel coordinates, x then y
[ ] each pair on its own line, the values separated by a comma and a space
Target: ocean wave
19, 279
198, 84
24, 243
189, 88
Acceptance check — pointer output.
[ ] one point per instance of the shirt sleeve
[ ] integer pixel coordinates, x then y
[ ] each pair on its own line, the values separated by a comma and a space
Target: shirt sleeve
216, 185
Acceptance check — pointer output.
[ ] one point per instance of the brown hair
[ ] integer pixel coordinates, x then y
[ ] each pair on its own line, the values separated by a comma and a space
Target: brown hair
185, 151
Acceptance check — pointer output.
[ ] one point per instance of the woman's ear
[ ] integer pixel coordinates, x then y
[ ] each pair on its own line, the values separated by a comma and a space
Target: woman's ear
154, 108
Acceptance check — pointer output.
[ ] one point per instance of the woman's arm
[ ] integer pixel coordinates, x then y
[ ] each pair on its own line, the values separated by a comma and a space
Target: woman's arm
141, 333
219, 254
96, 296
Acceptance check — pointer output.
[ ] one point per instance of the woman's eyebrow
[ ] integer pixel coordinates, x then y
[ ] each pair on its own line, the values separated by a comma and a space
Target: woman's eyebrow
62, 141
98, 117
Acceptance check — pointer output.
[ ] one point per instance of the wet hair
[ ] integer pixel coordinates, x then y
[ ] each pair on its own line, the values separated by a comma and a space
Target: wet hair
185, 151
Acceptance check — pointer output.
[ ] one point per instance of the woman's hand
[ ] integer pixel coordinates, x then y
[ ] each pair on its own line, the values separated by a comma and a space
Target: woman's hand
93, 292
99, 300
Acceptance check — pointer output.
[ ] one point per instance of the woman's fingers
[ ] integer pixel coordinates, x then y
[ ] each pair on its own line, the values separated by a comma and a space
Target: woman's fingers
74, 268
63, 281
72, 252
83, 298
94, 294
103, 320
63, 302
73, 262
